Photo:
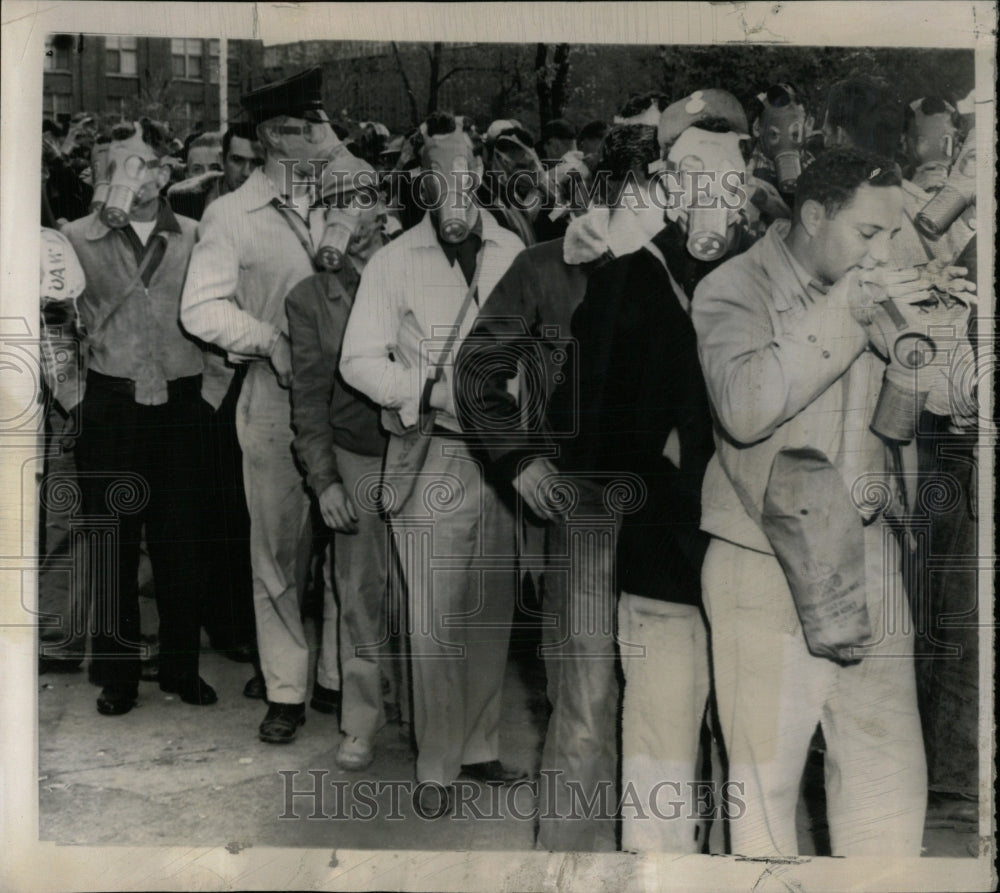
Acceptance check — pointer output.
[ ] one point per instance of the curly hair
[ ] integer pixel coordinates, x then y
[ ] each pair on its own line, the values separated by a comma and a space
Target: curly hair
834, 177
869, 112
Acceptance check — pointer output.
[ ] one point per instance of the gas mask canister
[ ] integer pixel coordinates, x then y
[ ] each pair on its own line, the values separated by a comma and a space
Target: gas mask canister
957, 194
448, 181
102, 182
127, 171
781, 132
706, 173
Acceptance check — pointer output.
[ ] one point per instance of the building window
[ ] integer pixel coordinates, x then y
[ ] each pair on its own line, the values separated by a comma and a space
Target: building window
57, 58
55, 104
213, 61
121, 57
186, 58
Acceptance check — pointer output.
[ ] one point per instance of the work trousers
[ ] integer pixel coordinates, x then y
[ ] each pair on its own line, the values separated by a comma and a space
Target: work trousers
279, 528
665, 662
580, 754
359, 574
63, 601
456, 547
228, 617
140, 465
772, 692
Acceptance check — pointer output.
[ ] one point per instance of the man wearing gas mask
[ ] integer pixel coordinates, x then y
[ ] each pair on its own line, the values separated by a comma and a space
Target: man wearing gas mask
528, 199
255, 245
138, 413
796, 368
427, 281
339, 443
620, 377
781, 130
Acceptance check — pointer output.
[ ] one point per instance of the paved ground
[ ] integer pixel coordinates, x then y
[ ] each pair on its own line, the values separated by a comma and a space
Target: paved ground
172, 774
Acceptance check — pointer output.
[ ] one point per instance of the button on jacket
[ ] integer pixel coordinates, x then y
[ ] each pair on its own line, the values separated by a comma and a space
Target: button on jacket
130, 310
408, 299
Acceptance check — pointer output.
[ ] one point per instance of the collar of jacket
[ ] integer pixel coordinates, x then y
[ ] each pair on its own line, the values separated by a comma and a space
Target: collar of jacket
258, 191
425, 235
792, 284
166, 222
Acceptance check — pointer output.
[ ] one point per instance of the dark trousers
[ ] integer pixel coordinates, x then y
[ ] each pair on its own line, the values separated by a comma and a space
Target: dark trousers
228, 616
141, 465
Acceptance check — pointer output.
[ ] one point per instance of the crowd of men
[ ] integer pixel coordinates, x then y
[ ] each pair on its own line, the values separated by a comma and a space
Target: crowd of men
658, 382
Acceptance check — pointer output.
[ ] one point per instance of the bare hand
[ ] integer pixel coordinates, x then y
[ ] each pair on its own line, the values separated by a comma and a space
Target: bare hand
281, 361
532, 484
337, 509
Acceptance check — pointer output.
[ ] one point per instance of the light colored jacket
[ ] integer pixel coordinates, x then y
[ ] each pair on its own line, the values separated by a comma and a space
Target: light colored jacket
781, 372
246, 262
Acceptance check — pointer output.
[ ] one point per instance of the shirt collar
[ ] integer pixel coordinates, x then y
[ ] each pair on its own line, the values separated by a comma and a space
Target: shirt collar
166, 222
792, 279
259, 190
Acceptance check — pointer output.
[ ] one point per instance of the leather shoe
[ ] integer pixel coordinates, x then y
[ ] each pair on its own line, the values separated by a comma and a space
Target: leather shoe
432, 800
256, 688
492, 772
282, 722
116, 701
191, 689
325, 700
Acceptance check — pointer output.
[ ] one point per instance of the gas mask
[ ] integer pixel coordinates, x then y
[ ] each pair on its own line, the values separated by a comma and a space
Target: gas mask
519, 169
128, 171
957, 194
932, 138
348, 230
102, 183
706, 172
780, 131
448, 177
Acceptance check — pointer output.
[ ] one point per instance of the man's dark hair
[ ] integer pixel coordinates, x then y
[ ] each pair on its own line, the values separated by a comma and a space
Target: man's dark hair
870, 113
153, 133
559, 129
339, 129
932, 105
834, 177
439, 123
244, 130
627, 150
637, 103
592, 130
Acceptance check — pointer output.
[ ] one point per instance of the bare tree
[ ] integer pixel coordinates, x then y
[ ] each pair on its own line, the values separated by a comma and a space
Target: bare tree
550, 81
414, 112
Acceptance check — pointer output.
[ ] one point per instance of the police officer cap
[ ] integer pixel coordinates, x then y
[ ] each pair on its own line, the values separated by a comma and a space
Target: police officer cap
699, 106
300, 96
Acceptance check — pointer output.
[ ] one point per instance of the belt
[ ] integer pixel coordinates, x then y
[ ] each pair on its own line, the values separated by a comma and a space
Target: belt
178, 387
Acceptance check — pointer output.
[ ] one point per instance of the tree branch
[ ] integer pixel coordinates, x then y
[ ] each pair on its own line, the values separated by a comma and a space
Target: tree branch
414, 112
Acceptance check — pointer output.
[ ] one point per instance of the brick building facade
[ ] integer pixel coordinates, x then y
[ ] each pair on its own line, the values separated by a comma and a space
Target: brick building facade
173, 79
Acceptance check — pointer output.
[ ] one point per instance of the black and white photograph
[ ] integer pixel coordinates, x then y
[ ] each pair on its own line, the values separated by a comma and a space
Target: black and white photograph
498, 446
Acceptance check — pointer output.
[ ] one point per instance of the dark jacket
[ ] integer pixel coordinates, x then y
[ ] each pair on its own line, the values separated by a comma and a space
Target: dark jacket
523, 327
326, 410
634, 379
